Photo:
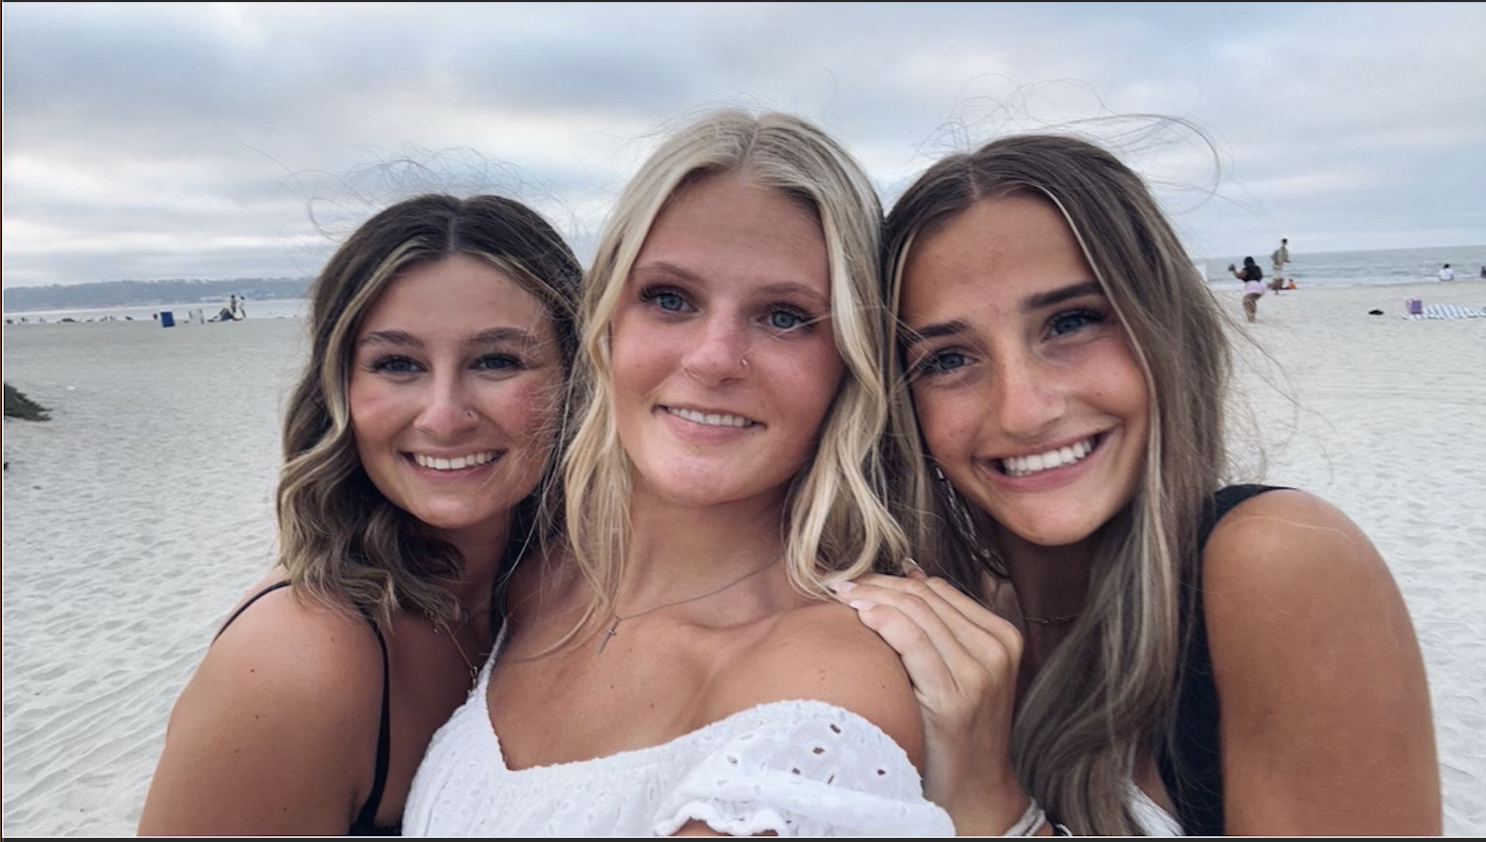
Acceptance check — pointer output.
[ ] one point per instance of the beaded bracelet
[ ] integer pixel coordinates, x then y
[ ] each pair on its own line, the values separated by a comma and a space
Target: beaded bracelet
1031, 821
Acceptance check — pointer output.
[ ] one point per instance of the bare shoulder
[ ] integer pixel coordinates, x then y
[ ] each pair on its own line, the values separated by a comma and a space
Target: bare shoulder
284, 637
1290, 545
1326, 723
821, 651
270, 733
1287, 566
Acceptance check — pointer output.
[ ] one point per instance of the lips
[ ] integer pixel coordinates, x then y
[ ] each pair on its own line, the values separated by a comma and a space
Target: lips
1035, 463
710, 419
456, 463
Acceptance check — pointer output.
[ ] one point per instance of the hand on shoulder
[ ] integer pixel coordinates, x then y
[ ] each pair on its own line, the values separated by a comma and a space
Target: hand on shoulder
289, 690
1326, 721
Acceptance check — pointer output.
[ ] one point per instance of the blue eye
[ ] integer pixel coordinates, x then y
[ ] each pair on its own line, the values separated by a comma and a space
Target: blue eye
497, 362
941, 362
666, 299
786, 319
392, 364
1073, 320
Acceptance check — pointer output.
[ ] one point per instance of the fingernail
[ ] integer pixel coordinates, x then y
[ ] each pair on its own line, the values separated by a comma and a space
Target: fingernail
910, 566
861, 604
842, 586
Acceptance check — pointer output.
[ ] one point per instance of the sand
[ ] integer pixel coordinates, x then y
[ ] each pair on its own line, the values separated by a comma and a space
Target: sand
137, 515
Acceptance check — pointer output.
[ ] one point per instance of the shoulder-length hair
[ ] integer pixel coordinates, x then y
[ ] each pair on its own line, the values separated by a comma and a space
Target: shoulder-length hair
1108, 693
837, 519
340, 539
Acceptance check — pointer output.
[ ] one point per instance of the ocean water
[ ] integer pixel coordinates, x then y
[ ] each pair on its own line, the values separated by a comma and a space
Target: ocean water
1359, 268
271, 308
1319, 269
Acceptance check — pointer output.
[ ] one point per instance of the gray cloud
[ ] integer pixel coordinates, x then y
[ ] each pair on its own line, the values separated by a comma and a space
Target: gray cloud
227, 140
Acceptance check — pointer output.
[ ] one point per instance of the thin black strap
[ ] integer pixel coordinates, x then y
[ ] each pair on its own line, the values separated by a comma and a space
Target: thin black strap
1193, 768
366, 820
271, 588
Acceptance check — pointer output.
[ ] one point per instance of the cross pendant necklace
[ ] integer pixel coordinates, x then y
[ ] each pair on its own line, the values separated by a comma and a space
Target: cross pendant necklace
608, 633
613, 628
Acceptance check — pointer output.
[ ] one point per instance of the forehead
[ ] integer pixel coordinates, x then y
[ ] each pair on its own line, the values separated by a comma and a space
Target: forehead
460, 291
732, 227
998, 248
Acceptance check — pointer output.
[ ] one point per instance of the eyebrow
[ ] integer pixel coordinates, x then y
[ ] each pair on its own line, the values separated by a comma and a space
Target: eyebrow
492, 336
1031, 304
1053, 297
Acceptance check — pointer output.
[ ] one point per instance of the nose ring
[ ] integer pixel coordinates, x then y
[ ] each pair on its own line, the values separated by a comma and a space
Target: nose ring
743, 361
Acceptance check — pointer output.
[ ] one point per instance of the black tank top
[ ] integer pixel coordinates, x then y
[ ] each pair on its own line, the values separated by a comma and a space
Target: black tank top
365, 824
1198, 790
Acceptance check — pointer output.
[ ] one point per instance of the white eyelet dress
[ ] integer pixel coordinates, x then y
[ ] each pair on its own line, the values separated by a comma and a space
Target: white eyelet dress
794, 768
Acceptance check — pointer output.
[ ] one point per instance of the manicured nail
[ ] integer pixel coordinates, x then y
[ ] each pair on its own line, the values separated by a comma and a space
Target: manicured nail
861, 604
910, 566
842, 586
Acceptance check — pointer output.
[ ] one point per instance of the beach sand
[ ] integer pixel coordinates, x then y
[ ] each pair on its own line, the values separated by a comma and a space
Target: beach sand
138, 514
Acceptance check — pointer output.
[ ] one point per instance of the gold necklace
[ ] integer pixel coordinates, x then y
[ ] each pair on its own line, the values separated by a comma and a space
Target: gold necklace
1057, 620
441, 628
617, 619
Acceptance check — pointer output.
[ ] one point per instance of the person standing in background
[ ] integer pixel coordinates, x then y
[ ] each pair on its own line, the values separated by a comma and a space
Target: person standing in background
1278, 259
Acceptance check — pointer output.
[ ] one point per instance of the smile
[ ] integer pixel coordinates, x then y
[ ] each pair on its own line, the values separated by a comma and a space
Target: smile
458, 463
710, 419
1021, 466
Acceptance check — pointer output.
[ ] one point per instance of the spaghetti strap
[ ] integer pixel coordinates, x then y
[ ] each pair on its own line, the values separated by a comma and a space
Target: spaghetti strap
365, 824
366, 820
241, 608
1191, 766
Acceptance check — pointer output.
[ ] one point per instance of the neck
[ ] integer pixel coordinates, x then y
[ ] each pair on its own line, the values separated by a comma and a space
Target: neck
474, 585
678, 550
1051, 584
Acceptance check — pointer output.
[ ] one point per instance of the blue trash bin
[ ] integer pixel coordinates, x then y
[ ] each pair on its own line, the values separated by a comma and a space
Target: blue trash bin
167, 318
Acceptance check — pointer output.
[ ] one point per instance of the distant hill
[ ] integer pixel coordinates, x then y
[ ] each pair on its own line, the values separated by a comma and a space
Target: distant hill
136, 293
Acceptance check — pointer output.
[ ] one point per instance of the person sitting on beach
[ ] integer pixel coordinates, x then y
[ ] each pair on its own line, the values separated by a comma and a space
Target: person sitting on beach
1169, 653
1446, 273
420, 446
679, 666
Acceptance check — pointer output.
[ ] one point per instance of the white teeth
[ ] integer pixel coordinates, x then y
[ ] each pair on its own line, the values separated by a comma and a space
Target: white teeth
455, 464
710, 420
1020, 466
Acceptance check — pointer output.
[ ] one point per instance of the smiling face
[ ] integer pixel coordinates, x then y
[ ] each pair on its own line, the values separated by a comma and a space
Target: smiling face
453, 385
1027, 391
723, 359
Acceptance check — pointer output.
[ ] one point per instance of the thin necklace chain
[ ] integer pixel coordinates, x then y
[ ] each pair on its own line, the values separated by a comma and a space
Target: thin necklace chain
1058, 620
441, 628
612, 630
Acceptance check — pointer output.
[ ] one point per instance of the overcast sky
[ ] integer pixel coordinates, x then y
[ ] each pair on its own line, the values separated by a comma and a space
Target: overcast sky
225, 140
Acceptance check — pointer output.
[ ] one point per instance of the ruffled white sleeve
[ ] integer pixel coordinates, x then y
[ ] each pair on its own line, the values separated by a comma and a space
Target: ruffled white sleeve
804, 768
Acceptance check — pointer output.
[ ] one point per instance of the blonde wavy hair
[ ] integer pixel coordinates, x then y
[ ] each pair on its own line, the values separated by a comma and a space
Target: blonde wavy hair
340, 539
837, 521
1108, 694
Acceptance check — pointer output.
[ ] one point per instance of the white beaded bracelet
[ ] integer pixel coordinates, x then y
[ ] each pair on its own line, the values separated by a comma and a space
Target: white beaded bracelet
1032, 820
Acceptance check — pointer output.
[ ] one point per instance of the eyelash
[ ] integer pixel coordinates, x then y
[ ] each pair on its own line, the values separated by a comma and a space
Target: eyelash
399, 364
1089, 316
803, 320
932, 363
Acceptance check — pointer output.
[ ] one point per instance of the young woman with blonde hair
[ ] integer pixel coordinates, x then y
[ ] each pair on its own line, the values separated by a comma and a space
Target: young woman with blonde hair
679, 666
